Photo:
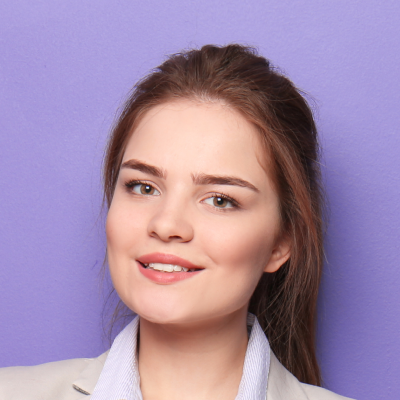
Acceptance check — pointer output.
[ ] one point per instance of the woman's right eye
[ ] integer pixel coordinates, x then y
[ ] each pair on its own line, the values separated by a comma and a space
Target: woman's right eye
142, 188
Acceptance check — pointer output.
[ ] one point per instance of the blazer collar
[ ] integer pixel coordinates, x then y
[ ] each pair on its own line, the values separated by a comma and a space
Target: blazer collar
282, 385
90, 375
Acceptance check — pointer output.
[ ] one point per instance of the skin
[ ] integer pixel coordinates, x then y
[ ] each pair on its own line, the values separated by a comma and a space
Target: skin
193, 334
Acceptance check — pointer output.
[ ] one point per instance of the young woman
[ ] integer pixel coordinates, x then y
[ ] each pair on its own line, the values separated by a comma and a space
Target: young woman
214, 240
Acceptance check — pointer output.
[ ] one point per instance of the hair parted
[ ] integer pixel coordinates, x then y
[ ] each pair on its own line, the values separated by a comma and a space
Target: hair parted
285, 301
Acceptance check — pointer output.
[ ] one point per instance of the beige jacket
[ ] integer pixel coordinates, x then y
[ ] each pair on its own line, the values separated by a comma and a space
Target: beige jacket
75, 380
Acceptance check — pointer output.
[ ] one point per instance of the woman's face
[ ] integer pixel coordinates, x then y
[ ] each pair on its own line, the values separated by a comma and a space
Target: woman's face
191, 193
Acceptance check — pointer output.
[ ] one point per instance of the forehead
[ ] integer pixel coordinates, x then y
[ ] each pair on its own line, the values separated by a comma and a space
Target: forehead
197, 137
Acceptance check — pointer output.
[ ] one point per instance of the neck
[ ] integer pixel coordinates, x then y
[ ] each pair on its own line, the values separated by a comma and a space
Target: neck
200, 361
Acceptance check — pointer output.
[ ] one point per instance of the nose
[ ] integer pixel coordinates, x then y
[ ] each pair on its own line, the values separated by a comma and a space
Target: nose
171, 222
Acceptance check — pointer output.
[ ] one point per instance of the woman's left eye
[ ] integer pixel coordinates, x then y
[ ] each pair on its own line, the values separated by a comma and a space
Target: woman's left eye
142, 188
220, 202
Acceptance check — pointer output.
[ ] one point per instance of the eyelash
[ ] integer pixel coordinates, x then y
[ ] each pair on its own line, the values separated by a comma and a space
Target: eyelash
235, 205
130, 184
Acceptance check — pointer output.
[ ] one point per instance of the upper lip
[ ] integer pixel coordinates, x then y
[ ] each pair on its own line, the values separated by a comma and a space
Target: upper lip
166, 259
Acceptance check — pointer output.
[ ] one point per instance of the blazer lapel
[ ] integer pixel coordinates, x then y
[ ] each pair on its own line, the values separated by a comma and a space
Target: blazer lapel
88, 378
282, 385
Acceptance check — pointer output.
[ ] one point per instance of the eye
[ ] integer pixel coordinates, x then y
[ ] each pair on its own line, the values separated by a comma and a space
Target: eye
142, 188
221, 201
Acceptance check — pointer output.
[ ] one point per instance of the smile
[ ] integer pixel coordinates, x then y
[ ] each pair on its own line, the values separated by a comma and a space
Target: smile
167, 267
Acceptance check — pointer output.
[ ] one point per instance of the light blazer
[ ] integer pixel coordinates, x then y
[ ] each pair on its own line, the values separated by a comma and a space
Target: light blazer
75, 380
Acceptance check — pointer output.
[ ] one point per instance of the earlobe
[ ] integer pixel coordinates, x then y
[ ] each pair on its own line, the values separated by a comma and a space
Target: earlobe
279, 256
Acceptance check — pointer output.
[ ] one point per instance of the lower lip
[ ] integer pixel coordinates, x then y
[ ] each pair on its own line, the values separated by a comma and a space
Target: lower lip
165, 277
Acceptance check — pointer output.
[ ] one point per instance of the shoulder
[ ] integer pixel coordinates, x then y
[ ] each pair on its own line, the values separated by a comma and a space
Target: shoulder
283, 385
318, 393
54, 380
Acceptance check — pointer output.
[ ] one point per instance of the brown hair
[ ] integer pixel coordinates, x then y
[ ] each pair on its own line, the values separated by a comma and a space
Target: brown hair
285, 301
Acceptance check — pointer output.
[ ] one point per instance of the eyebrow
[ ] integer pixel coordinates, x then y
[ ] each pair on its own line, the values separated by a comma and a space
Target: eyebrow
198, 179
204, 179
143, 167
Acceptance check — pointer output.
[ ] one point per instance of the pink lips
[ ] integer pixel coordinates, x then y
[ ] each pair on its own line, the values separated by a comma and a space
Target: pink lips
166, 277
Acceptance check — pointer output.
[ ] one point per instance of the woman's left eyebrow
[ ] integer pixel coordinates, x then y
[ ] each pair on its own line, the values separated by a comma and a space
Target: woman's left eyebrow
204, 179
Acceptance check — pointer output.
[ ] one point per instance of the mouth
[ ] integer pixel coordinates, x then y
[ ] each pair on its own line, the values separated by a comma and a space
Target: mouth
167, 263
168, 268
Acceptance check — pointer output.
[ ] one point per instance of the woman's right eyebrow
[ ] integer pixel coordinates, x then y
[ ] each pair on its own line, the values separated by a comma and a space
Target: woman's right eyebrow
144, 167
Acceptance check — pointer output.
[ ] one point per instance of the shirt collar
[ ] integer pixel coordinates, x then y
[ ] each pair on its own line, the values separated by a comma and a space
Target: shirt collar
120, 378
253, 385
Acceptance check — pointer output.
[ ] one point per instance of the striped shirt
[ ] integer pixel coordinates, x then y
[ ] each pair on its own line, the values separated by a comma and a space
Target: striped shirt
120, 378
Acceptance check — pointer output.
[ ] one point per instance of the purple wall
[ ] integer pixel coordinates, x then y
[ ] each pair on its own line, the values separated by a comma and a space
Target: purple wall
66, 67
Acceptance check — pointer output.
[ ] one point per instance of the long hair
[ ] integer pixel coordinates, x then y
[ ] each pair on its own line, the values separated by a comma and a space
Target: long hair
285, 301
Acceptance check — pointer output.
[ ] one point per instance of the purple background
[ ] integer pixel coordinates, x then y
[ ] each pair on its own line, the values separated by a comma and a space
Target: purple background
66, 66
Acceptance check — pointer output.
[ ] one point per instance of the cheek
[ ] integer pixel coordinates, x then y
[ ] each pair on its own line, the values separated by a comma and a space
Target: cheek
115, 242
246, 243
115, 227
122, 232
240, 251
123, 225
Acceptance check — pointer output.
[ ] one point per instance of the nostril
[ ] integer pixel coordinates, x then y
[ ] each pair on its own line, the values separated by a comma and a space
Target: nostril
170, 227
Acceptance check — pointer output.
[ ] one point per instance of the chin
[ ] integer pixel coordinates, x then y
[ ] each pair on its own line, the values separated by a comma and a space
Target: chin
166, 312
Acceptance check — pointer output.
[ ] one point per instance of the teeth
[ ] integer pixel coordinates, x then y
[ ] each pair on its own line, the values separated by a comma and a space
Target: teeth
157, 267
166, 267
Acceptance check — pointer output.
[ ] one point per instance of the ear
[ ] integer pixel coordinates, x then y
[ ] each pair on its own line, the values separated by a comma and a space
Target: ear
280, 254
